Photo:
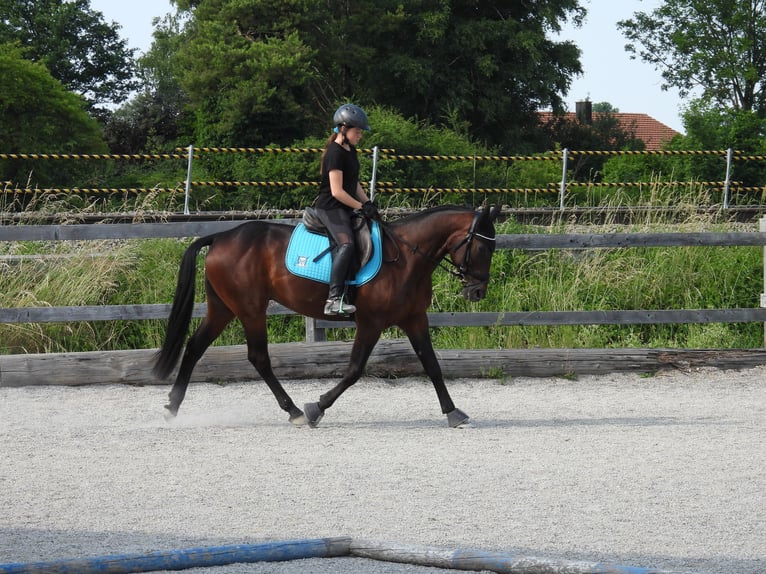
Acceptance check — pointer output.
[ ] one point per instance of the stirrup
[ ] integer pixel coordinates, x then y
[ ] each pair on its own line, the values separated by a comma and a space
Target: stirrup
336, 306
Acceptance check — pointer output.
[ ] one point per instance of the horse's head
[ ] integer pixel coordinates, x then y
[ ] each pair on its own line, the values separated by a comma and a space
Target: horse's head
472, 256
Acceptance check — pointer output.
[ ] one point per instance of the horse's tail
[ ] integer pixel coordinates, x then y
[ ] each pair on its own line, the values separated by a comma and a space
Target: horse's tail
181, 312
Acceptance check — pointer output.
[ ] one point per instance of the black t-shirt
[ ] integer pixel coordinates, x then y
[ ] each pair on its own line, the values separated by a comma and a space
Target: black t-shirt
337, 157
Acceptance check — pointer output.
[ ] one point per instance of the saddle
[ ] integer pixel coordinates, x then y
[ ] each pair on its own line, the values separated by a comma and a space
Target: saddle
359, 225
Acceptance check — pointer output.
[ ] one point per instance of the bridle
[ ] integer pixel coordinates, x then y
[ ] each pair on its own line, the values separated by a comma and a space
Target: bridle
460, 270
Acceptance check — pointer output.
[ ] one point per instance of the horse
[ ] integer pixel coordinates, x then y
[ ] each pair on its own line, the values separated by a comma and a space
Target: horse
245, 269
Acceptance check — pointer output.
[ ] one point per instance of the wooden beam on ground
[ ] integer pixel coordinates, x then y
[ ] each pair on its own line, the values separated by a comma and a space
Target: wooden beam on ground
390, 359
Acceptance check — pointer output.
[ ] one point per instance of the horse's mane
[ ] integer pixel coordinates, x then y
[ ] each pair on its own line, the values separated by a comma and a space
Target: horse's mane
415, 217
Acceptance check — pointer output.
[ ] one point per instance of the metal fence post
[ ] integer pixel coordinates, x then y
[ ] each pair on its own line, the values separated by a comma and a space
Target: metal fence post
374, 176
188, 180
563, 188
729, 153
762, 228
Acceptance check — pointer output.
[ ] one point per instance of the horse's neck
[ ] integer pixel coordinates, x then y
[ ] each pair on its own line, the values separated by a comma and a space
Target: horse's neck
434, 235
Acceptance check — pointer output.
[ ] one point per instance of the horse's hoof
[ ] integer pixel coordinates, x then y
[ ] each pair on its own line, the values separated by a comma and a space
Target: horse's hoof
170, 413
314, 414
298, 418
458, 419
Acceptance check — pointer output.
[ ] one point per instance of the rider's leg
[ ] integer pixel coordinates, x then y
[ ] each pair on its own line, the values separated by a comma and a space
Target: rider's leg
342, 259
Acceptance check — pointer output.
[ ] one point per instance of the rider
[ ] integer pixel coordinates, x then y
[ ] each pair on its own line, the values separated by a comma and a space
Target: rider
340, 194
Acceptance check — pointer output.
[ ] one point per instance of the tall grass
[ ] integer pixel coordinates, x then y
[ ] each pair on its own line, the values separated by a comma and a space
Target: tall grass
144, 271
614, 279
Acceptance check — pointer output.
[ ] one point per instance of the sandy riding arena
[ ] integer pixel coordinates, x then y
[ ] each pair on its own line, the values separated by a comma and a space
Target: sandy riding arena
667, 471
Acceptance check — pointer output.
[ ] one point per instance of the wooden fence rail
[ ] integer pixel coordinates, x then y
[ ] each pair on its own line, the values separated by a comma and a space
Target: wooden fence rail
315, 329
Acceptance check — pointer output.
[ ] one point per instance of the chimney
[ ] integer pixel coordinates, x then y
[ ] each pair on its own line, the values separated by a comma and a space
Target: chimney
584, 112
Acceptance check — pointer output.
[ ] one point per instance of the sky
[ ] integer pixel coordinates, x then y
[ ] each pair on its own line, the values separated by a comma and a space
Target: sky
609, 75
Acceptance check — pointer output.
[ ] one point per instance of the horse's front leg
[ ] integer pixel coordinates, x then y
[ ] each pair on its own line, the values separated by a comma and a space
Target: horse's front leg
416, 328
364, 343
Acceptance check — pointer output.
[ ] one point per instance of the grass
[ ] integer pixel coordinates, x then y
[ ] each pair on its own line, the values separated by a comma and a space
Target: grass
613, 279
144, 271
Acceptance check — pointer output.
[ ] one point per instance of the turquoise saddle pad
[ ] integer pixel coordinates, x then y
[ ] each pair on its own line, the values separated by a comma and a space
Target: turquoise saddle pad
308, 255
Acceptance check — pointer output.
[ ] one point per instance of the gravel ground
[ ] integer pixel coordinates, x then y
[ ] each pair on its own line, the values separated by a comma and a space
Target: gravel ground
664, 471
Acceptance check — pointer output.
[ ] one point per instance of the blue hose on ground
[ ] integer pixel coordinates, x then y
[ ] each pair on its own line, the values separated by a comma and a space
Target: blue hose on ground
188, 558
465, 559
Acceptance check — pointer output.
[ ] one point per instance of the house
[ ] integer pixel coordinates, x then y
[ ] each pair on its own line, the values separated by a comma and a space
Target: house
652, 132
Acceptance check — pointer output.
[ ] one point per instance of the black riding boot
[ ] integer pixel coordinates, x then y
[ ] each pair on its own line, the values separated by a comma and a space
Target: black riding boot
341, 261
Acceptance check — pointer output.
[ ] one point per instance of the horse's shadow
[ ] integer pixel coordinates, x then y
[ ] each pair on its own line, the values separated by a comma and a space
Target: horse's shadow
560, 422
221, 419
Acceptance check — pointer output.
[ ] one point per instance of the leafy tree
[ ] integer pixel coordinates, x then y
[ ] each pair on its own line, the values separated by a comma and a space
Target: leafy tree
79, 49
37, 114
491, 64
711, 128
716, 48
256, 68
245, 70
156, 117
605, 108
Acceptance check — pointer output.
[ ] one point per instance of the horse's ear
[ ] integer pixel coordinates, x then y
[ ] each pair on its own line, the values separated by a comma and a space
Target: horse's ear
492, 211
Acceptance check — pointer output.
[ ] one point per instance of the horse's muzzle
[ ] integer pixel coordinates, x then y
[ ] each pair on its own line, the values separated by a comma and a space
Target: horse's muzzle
475, 291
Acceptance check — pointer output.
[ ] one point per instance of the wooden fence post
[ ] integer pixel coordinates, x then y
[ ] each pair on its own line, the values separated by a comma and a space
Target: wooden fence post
314, 334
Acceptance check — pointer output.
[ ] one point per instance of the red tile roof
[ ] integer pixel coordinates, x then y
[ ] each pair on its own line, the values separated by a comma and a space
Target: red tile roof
652, 132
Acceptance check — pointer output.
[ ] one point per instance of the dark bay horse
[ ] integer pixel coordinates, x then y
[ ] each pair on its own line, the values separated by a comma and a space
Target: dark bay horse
245, 269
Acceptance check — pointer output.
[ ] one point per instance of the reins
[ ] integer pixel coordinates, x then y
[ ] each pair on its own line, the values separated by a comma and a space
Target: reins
460, 271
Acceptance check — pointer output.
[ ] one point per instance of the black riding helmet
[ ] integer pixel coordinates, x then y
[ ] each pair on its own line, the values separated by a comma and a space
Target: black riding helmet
350, 116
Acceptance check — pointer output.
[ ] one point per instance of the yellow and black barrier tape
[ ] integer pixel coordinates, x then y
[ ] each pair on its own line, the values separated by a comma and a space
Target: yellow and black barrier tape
572, 153
463, 190
385, 154
647, 183
270, 184
254, 184
137, 156
749, 157
277, 150
471, 157
90, 190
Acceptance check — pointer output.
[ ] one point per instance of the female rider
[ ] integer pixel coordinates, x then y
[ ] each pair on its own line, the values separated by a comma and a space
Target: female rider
340, 194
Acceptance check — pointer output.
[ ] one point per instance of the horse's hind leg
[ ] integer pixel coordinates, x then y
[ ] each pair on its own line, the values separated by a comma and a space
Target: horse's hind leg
206, 333
258, 355
360, 353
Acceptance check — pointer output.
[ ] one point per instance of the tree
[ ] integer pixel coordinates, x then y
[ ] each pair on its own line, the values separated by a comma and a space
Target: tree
714, 47
261, 70
491, 64
156, 116
79, 49
711, 128
38, 115
246, 71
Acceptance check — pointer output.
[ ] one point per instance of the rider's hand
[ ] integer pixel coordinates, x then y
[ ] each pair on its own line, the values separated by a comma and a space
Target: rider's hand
370, 211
